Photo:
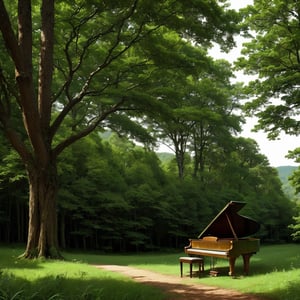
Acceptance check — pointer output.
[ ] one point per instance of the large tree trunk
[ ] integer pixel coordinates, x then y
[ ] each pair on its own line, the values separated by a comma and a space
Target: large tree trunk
62, 227
42, 230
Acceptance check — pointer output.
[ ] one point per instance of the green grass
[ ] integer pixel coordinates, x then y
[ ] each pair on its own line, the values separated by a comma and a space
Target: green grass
68, 280
274, 270
274, 273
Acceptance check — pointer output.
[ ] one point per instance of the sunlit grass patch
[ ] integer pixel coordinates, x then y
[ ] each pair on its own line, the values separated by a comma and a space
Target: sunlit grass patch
41, 279
274, 272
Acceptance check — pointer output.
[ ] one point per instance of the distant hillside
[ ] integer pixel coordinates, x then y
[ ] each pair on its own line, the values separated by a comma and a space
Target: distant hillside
165, 157
284, 172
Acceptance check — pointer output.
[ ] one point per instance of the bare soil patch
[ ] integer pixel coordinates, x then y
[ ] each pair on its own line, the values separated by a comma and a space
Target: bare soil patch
178, 288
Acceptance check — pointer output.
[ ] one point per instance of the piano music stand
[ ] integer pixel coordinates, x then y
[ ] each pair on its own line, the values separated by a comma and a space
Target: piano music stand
190, 261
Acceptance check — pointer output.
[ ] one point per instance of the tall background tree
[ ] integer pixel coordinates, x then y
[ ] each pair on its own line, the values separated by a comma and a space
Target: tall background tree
67, 67
272, 54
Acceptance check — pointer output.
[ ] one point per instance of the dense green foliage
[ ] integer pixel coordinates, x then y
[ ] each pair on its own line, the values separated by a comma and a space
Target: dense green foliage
116, 196
271, 54
140, 69
69, 68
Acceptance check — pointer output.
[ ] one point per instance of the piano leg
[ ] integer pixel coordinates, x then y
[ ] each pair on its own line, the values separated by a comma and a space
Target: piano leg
231, 265
246, 259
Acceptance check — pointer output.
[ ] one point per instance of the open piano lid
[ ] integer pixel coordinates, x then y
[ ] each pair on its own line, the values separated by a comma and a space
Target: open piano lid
229, 224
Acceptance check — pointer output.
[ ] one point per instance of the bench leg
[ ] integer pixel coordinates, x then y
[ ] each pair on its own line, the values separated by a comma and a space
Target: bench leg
191, 270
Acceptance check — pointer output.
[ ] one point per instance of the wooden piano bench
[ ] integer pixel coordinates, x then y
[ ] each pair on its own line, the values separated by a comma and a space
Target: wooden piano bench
191, 260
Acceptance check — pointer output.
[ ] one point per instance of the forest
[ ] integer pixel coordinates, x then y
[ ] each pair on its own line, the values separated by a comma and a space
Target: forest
117, 196
90, 91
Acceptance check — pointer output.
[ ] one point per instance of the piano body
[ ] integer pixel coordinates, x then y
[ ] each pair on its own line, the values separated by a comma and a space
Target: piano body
227, 236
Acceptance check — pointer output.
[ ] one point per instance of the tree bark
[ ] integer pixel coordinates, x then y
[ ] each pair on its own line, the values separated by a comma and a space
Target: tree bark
62, 227
42, 230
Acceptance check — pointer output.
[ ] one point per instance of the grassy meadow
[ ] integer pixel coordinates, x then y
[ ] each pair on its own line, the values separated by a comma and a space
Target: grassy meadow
274, 273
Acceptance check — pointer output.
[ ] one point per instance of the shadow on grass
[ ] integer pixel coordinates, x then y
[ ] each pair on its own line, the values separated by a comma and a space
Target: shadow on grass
205, 292
291, 291
60, 287
269, 259
9, 258
271, 263
281, 259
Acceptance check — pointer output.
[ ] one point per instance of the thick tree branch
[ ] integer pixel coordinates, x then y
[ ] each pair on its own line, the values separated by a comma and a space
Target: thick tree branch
110, 57
21, 54
72, 139
46, 63
9, 37
25, 34
5, 110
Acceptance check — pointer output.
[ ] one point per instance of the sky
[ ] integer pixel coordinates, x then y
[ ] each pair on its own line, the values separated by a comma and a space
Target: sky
276, 150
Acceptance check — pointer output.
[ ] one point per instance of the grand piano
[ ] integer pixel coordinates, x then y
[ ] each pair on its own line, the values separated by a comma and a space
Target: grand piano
227, 236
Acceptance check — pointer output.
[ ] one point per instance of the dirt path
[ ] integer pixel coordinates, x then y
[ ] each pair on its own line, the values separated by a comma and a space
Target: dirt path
179, 288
